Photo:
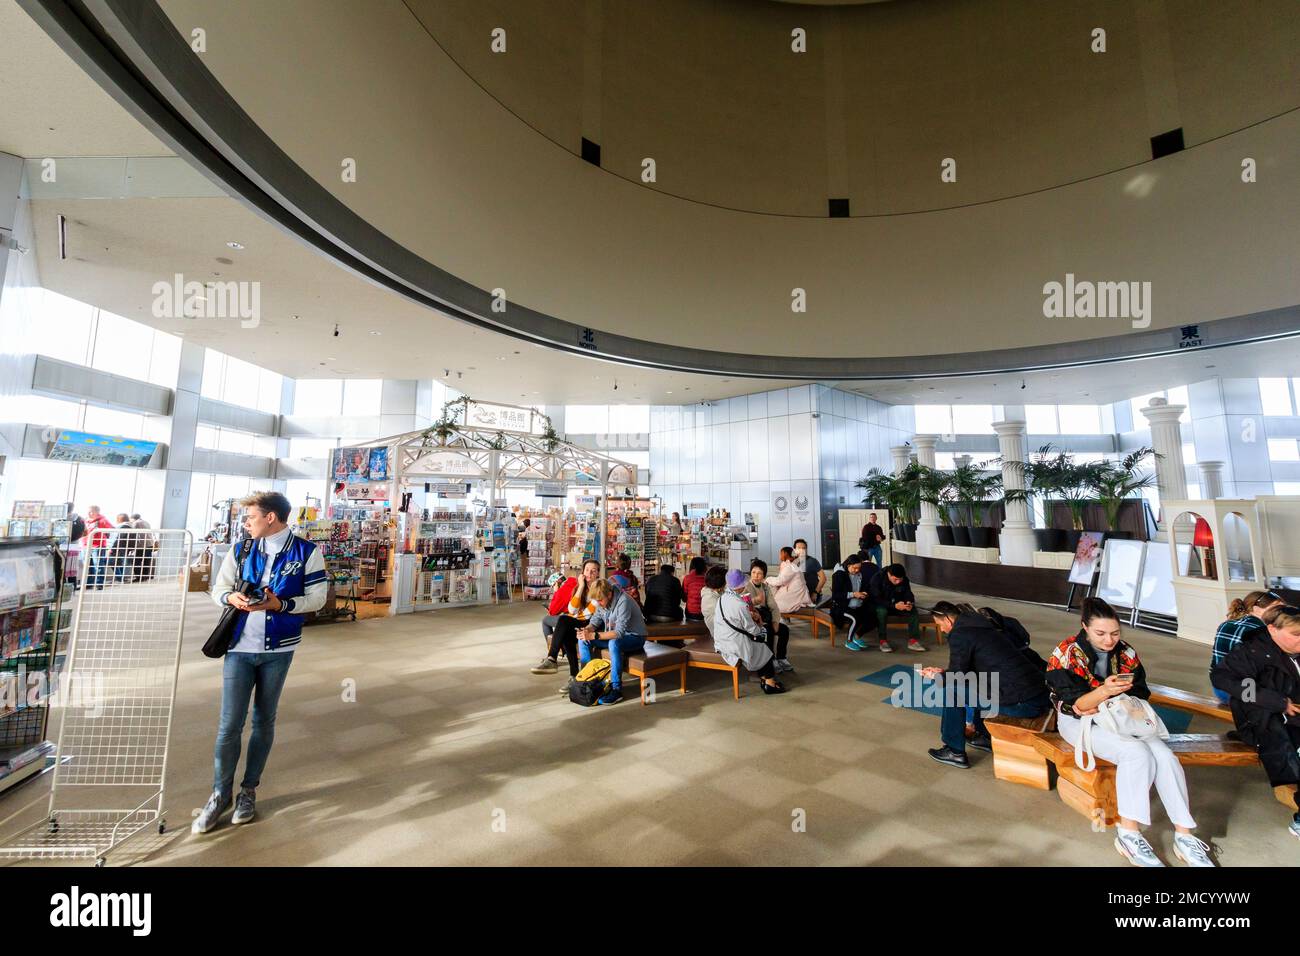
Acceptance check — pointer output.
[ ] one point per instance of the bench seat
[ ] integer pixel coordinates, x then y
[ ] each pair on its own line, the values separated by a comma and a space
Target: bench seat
654, 660
1029, 751
818, 618
675, 632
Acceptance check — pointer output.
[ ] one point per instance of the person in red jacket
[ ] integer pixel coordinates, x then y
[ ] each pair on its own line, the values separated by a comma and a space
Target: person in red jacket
693, 584
96, 546
561, 591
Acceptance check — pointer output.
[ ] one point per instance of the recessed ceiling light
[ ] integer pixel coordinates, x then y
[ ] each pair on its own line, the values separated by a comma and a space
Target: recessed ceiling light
331, 359
375, 332
235, 245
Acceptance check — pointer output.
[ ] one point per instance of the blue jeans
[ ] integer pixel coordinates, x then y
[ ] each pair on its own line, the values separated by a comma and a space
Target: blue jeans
620, 649
98, 559
952, 725
1223, 698
875, 554
260, 676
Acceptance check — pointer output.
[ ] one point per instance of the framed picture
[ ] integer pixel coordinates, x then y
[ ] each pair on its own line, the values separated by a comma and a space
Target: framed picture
27, 509
1086, 557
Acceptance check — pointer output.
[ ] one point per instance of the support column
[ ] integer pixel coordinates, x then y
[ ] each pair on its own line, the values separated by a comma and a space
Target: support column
1167, 440
902, 454
1211, 478
184, 433
1016, 539
927, 537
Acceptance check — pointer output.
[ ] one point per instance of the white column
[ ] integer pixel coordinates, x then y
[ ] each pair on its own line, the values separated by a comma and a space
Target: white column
926, 535
1211, 478
1167, 440
901, 454
1016, 539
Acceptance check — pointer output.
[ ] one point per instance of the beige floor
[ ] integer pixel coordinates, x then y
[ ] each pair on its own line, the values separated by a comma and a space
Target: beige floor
454, 754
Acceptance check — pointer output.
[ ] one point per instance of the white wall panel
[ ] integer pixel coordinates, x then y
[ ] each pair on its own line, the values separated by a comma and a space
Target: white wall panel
756, 442
758, 406
778, 448
800, 399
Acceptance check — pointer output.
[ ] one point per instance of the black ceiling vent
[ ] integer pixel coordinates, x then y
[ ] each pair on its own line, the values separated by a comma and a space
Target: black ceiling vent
1166, 143
591, 151
839, 208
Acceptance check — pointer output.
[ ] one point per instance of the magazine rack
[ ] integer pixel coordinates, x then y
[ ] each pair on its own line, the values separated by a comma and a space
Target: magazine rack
117, 696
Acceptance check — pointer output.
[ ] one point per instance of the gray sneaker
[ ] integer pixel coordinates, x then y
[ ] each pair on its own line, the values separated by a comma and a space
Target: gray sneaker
245, 809
545, 666
217, 804
1134, 848
1192, 851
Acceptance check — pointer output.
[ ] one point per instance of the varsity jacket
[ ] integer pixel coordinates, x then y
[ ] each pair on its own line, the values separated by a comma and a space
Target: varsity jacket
298, 579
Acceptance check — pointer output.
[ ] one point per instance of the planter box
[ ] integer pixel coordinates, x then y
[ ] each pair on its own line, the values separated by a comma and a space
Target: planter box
1061, 560
975, 555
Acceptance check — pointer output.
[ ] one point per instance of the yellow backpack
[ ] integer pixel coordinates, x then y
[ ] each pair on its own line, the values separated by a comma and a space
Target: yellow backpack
591, 683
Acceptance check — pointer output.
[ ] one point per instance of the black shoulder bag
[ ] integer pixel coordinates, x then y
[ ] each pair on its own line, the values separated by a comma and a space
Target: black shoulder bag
218, 641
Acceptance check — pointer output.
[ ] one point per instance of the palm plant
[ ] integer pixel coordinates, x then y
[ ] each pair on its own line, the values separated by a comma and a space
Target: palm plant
1113, 482
879, 489
975, 487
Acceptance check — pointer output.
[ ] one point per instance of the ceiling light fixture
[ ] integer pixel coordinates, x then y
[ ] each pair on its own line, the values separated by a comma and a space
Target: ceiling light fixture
375, 332
235, 245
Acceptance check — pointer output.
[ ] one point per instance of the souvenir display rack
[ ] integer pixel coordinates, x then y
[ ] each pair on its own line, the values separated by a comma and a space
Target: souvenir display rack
538, 560
34, 626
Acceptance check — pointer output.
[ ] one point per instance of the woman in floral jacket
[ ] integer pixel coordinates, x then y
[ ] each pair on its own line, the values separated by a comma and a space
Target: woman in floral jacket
1085, 671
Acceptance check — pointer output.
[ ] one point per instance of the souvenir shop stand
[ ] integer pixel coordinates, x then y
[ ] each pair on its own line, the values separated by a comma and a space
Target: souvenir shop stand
454, 540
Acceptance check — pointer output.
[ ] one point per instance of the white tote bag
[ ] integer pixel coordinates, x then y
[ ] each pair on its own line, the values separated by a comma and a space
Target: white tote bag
1123, 716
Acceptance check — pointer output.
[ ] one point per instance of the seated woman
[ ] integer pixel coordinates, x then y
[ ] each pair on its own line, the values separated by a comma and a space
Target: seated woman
1262, 679
740, 637
580, 607
617, 625
990, 664
763, 600
1084, 671
625, 580
663, 597
715, 582
692, 585
790, 585
1245, 619
561, 591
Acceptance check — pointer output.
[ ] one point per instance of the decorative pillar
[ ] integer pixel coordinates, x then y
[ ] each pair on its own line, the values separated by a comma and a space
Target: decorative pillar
927, 537
961, 461
901, 454
1167, 440
1211, 479
1016, 539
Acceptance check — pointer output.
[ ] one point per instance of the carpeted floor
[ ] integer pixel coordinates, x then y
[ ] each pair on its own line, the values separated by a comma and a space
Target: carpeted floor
453, 753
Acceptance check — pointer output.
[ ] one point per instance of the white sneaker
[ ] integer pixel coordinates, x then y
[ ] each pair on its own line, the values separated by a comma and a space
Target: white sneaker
245, 806
1192, 851
212, 810
1134, 847
783, 665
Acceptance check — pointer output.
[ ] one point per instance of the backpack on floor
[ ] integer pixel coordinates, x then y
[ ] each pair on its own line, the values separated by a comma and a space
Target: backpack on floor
590, 684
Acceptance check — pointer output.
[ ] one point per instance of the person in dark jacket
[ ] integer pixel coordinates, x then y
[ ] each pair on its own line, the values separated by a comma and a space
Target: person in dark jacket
663, 597
891, 593
872, 536
991, 669
850, 601
1261, 675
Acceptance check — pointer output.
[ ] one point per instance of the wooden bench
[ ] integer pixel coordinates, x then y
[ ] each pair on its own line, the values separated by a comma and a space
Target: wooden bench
654, 660
676, 632
1028, 751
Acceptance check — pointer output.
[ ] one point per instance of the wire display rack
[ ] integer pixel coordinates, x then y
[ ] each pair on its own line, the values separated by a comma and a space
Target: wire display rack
118, 694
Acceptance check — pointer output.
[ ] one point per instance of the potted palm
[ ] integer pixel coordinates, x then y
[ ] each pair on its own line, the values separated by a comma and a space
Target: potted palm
976, 488
1115, 482
884, 490
911, 487
939, 488
1043, 476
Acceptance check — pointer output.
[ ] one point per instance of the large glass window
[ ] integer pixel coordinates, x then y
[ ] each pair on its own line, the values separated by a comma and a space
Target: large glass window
123, 347
232, 380
1040, 419
1275, 395
1079, 419
64, 328
361, 396
629, 418
972, 419
108, 421
586, 419
1283, 449
318, 397
934, 420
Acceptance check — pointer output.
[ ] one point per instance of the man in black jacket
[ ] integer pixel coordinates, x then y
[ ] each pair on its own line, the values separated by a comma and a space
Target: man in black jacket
1262, 676
663, 597
891, 593
991, 669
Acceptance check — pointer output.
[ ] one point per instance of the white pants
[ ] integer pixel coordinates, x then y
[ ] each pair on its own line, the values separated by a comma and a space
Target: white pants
1138, 764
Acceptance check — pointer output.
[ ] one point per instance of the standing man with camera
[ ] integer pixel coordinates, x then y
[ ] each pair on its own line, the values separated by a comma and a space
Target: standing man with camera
283, 577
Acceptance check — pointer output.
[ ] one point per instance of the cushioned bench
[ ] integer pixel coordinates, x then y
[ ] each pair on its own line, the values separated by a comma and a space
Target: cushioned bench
676, 632
654, 660
1028, 750
704, 655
